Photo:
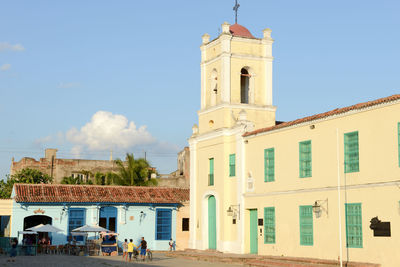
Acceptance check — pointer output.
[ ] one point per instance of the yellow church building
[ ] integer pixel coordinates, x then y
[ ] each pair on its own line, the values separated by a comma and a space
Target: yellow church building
325, 186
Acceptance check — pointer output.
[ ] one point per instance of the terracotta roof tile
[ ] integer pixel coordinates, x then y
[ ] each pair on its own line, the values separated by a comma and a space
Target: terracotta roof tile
54, 193
325, 114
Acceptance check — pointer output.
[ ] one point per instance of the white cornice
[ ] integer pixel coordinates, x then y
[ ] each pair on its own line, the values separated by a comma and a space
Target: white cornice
332, 117
235, 55
236, 106
236, 39
327, 188
237, 129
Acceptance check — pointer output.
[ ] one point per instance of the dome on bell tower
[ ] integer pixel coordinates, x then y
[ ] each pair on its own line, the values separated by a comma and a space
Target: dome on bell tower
241, 31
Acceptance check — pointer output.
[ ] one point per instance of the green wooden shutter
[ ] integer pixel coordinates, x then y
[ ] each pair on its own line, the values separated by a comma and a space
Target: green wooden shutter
232, 165
269, 225
253, 232
211, 173
351, 154
305, 159
269, 165
354, 237
306, 226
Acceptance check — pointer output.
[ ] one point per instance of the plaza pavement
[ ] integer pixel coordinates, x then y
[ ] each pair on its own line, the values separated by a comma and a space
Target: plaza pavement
159, 259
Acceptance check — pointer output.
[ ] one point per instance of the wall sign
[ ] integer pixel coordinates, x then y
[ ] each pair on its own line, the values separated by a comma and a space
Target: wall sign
380, 228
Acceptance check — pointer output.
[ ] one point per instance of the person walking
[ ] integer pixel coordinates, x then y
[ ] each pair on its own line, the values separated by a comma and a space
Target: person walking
131, 247
13, 250
125, 250
171, 244
143, 248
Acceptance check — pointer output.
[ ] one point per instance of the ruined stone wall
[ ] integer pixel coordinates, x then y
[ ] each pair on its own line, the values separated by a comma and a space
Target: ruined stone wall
60, 168
169, 181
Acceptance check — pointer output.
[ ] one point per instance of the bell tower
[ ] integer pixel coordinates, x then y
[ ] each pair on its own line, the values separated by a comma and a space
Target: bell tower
236, 77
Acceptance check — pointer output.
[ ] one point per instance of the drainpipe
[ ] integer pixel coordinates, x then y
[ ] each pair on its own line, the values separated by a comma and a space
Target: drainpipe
339, 198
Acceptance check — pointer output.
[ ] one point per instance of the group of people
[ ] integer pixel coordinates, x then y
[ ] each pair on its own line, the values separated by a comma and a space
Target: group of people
129, 249
44, 241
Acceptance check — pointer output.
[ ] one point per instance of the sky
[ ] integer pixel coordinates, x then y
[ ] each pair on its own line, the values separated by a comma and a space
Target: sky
87, 77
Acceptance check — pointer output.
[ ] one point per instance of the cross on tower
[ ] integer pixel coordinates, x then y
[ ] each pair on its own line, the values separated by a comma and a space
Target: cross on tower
235, 8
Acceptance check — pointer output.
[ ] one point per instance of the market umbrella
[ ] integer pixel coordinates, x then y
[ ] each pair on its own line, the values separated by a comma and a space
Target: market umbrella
48, 228
34, 227
90, 228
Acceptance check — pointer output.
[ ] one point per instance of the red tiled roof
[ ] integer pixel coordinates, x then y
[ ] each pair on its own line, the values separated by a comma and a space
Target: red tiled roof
239, 30
41, 193
326, 114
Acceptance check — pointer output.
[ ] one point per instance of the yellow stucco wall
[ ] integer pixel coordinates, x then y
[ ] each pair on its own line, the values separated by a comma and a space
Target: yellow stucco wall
378, 163
6, 210
224, 186
5, 207
182, 237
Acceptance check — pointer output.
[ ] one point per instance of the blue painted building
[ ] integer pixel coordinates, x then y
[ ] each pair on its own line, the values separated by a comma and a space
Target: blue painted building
132, 212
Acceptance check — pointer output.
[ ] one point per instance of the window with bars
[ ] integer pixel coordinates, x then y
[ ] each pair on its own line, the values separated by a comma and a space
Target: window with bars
232, 165
306, 226
211, 173
351, 157
305, 159
163, 224
76, 218
354, 225
269, 225
269, 165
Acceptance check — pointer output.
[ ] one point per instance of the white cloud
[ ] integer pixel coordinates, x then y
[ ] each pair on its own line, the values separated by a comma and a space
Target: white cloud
108, 131
68, 85
4, 46
5, 67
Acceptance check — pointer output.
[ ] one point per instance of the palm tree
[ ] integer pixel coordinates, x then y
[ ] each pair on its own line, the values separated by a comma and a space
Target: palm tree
134, 172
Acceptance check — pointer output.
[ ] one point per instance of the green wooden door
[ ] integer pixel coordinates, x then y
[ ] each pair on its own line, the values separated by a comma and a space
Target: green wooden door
212, 223
253, 232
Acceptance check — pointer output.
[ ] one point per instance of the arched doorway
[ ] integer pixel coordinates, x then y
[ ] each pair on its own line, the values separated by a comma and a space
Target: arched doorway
34, 220
212, 223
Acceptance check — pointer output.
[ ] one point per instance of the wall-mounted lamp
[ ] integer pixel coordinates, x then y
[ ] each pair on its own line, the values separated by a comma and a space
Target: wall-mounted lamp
142, 216
64, 209
234, 211
318, 207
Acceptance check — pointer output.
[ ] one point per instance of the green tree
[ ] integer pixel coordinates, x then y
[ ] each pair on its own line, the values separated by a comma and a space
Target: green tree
6, 186
134, 172
99, 178
31, 176
24, 176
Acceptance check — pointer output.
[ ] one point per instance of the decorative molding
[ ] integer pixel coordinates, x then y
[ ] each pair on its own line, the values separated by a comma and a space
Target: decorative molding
234, 55
328, 188
39, 210
237, 106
